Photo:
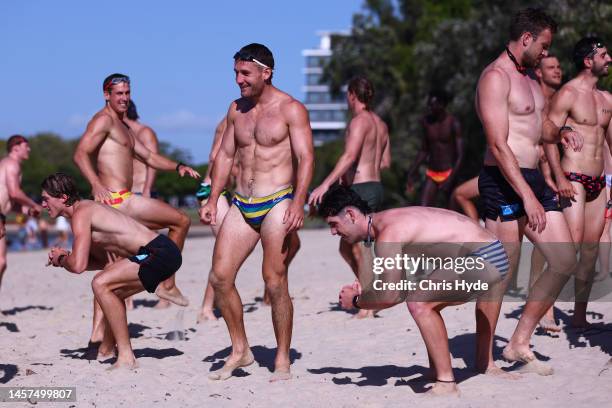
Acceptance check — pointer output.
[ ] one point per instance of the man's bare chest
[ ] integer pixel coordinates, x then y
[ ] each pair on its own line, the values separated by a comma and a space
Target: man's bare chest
591, 109
264, 129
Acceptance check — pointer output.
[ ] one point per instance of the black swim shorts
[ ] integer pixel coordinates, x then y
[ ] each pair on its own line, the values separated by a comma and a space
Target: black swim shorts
158, 261
501, 201
372, 192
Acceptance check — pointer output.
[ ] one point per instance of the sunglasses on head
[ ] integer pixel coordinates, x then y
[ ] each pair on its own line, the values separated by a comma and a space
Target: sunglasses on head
247, 56
117, 80
596, 46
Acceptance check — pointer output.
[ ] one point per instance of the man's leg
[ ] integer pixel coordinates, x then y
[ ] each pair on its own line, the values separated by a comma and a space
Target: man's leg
604, 251
122, 275
2, 257
585, 273
275, 243
429, 192
556, 245
294, 246
433, 331
510, 233
156, 214
234, 244
463, 196
208, 303
538, 262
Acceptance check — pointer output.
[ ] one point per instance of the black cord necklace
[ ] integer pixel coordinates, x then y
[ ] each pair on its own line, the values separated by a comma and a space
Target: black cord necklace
519, 67
369, 240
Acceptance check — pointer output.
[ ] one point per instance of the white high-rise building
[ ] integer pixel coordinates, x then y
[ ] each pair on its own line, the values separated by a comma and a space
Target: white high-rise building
328, 113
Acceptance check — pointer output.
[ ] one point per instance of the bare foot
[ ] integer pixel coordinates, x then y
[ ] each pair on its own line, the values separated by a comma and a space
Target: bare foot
364, 314
105, 355
230, 365
443, 388
205, 315
130, 365
495, 371
173, 295
520, 354
129, 303
549, 325
281, 374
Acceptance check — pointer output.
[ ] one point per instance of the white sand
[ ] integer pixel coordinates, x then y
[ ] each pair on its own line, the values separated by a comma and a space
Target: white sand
338, 361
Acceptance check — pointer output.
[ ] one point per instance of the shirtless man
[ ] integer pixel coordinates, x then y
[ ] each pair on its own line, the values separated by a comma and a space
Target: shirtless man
269, 132
151, 258
549, 75
442, 146
10, 190
143, 178
367, 151
510, 105
223, 205
407, 231
110, 143
579, 107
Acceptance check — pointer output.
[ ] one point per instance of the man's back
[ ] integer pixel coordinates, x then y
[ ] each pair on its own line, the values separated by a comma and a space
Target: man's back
5, 200
111, 229
375, 141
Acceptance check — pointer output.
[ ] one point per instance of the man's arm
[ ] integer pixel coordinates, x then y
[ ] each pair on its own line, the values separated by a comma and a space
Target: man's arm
386, 157
220, 129
558, 111
224, 160
492, 93
355, 133
564, 187
303, 150
16, 194
76, 261
149, 140
159, 162
95, 134
458, 146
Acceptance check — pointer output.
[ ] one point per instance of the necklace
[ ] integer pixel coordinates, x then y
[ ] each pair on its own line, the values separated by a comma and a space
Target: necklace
369, 240
519, 67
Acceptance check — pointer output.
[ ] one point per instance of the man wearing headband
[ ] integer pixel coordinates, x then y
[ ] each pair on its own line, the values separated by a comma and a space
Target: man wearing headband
110, 144
270, 133
367, 151
510, 106
11, 193
580, 108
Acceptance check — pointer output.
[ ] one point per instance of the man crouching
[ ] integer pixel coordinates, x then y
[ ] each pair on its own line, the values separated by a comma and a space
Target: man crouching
421, 235
150, 258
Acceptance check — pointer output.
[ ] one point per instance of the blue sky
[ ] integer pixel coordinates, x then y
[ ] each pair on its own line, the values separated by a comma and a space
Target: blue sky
55, 55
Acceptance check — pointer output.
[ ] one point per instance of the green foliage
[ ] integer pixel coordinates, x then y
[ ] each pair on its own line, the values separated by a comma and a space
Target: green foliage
408, 47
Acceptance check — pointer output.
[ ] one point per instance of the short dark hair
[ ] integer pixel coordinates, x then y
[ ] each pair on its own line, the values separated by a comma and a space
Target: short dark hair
338, 198
14, 141
442, 96
260, 52
531, 20
363, 89
58, 184
132, 113
585, 48
107, 84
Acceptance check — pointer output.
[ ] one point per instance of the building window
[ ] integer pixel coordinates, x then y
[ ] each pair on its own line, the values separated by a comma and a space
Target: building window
313, 79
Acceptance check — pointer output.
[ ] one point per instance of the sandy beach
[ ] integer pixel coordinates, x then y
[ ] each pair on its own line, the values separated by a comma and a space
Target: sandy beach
337, 360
